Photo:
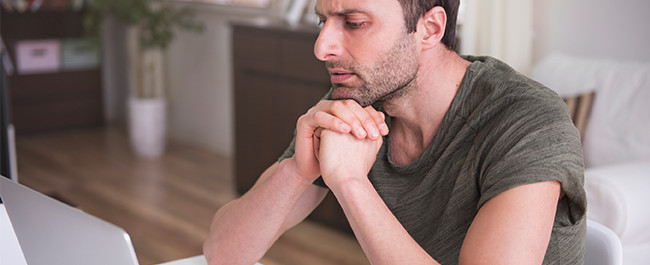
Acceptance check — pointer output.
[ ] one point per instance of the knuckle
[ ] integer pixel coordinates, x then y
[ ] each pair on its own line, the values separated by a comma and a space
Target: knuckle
319, 115
300, 120
349, 102
313, 109
303, 118
378, 118
323, 118
337, 104
321, 103
368, 121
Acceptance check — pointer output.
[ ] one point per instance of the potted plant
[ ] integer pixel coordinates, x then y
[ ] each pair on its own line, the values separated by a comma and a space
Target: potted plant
151, 25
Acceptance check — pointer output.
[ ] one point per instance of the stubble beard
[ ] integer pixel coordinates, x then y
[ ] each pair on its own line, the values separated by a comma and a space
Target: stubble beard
391, 77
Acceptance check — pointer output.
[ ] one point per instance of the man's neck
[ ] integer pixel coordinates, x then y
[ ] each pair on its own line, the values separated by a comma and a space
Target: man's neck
417, 115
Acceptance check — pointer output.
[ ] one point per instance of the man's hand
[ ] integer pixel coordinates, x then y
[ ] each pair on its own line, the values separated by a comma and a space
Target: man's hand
344, 163
341, 116
343, 156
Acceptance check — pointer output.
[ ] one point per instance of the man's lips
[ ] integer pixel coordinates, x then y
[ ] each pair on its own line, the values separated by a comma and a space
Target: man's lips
339, 76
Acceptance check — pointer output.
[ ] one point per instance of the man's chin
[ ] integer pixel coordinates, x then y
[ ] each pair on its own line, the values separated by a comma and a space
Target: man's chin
343, 93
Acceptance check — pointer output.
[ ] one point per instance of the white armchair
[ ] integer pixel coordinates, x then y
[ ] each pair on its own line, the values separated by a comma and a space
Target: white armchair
610, 103
603, 245
619, 197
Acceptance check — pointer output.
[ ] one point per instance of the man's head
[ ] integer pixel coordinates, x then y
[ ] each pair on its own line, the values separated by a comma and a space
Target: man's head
370, 48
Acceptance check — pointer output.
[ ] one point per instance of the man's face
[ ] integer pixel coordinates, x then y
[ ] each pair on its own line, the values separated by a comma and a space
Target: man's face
366, 49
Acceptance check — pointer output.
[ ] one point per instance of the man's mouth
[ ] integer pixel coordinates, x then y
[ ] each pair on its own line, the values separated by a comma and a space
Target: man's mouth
340, 76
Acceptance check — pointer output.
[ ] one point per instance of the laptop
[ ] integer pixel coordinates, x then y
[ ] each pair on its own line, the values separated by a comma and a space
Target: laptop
50, 232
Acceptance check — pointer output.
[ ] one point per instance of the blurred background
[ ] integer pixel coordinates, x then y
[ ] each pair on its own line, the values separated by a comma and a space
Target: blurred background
154, 127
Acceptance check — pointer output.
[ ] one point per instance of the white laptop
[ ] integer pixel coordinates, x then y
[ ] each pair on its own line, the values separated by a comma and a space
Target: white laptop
50, 232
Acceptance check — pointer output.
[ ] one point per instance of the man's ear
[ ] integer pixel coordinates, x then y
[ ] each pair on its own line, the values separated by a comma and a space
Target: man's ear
433, 25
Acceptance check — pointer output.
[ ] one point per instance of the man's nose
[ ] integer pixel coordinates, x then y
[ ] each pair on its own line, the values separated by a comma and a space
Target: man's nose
328, 44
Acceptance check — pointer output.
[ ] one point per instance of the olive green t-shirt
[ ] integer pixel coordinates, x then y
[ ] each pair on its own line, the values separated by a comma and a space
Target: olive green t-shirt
502, 130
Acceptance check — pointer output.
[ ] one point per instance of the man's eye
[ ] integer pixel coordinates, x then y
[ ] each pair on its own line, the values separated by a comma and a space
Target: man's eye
321, 22
355, 25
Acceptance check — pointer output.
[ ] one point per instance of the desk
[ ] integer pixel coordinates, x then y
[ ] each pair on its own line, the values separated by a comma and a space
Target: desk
196, 260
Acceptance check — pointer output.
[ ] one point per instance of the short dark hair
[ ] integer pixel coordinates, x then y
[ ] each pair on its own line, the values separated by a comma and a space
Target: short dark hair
415, 9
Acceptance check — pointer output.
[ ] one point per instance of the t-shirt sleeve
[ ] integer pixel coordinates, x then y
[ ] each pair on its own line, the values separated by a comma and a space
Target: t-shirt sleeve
536, 142
290, 151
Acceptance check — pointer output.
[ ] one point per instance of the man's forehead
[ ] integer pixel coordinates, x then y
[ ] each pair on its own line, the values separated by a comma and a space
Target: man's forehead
345, 7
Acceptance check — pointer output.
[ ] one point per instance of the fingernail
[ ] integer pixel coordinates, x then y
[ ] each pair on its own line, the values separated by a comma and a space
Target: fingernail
383, 128
361, 132
373, 133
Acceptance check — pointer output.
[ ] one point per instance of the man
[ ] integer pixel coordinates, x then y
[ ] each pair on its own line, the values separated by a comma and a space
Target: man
482, 165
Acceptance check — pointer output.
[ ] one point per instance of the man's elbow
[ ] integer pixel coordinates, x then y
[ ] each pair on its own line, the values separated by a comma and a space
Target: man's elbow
216, 253
209, 253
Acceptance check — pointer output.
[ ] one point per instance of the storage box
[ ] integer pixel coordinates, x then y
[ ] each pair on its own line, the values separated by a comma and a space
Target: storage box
78, 54
40, 56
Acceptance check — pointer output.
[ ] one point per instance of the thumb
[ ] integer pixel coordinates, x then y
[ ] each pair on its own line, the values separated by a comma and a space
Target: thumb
316, 142
379, 143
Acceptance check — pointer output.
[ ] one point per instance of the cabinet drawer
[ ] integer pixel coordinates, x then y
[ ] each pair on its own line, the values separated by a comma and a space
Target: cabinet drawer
54, 85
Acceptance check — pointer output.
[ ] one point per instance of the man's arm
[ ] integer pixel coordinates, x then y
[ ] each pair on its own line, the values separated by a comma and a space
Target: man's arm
345, 163
514, 227
244, 229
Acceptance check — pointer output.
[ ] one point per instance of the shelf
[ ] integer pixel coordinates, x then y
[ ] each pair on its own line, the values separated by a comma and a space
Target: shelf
66, 98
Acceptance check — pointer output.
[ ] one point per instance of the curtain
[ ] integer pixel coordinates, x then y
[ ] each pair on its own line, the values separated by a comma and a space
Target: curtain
499, 28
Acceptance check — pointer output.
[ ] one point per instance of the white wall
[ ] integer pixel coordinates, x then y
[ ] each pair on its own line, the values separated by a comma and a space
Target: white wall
593, 28
199, 87
198, 78
199, 82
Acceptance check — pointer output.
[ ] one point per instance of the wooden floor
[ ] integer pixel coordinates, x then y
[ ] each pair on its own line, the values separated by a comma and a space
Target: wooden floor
164, 204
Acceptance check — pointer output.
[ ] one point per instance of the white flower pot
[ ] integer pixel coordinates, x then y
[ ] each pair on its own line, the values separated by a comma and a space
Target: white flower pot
147, 106
148, 126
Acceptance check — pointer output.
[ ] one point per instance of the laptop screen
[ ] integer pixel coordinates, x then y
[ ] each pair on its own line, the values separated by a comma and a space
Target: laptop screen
50, 232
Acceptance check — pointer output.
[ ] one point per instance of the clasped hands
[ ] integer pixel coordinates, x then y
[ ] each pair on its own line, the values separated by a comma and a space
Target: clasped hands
338, 140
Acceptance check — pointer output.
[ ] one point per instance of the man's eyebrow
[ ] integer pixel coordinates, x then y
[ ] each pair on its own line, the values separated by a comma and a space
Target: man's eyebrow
341, 13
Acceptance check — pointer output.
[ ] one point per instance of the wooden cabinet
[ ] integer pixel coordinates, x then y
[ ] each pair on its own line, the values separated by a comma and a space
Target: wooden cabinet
53, 100
277, 78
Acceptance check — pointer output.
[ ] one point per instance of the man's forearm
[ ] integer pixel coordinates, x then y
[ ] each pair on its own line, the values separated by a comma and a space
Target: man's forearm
345, 163
381, 235
244, 229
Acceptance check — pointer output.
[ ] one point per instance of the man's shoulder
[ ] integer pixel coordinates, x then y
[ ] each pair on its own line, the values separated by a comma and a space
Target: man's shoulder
497, 94
493, 74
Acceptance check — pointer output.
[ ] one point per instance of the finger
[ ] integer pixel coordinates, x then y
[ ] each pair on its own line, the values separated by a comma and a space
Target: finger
316, 142
315, 118
367, 116
322, 119
345, 110
352, 113
379, 118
